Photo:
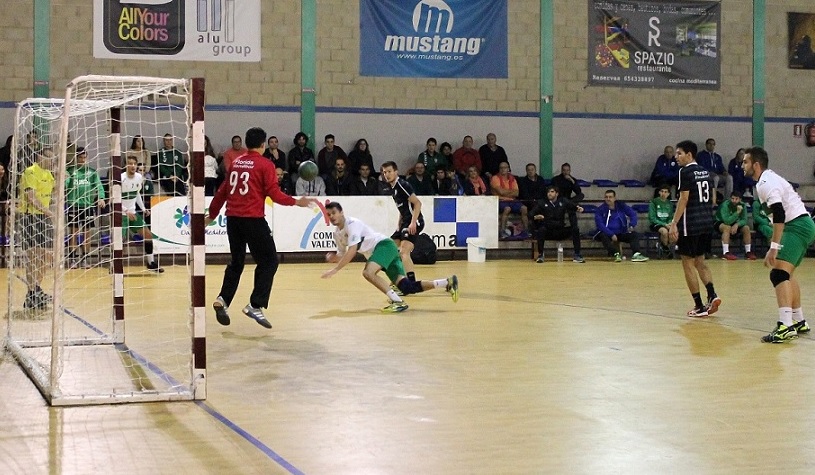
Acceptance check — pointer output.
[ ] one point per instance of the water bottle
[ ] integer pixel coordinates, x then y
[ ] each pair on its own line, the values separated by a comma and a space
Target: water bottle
560, 252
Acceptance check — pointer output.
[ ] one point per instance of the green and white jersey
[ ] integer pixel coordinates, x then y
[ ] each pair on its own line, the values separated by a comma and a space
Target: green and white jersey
772, 188
356, 232
131, 192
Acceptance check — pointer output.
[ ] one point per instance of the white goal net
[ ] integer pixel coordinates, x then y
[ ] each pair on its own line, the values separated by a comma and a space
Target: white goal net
94, 315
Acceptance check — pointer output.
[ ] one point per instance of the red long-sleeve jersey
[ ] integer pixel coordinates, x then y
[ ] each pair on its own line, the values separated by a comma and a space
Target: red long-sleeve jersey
250, 180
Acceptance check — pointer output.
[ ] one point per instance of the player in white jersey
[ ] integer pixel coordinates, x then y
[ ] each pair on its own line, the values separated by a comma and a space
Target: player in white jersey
132, 221
353, 236
793, 233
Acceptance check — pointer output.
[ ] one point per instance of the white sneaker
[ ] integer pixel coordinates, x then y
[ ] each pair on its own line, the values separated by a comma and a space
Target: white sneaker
637, 257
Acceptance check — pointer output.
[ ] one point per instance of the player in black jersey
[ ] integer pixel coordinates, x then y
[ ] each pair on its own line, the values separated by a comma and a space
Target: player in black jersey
692, 227
411, 221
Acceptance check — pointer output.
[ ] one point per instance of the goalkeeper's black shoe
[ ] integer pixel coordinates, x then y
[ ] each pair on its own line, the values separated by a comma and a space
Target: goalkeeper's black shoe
153, 267
42, 295
34, 300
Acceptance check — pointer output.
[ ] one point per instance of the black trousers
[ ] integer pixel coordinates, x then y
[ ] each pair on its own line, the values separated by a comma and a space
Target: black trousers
542, 234
255, 233
176, 188
633, 239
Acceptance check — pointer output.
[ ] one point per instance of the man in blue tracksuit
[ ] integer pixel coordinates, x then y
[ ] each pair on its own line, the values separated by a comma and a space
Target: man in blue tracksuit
615, 222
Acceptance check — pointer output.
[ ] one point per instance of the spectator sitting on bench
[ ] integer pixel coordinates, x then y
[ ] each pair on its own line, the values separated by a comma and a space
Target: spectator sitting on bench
660, 214
474, 185
761, 221
731, 218
505, 187
736, 181
568, 189
548, 220
666, 171
420, 181
531, 187
613, 227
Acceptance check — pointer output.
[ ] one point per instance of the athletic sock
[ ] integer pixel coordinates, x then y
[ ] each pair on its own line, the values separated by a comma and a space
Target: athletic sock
785, 315
725, 248
747, 247
392, 295
148, 251
440, 284
711, 294
697, 299
798, 314
411, 276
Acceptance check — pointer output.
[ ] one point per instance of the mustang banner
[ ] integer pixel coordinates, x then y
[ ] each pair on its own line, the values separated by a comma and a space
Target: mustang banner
433, 38
181, 30
666, 44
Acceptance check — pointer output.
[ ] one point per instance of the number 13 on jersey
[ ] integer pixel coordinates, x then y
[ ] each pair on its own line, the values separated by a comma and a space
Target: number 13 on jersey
704, 191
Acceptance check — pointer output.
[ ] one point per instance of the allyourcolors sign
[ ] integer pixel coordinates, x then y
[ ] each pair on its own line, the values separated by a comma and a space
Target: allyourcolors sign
433, 38
187, 30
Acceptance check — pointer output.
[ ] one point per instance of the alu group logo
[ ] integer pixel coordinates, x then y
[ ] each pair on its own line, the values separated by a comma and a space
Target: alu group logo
435, 20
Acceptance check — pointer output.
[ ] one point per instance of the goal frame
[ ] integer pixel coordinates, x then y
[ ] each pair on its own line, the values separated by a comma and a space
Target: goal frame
46, 378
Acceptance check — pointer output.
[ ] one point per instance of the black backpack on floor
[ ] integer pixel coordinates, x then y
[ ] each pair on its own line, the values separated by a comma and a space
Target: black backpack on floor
424, 250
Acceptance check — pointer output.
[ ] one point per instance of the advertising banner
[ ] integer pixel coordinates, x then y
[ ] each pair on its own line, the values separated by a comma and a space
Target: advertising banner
183, 30
656, 44
433, 38
449, 221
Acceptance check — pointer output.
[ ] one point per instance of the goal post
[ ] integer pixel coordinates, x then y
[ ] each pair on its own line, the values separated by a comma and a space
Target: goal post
90, 318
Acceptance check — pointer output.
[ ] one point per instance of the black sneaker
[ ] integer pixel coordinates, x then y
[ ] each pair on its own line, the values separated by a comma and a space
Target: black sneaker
43, 296
698, 312
153, 267
781, 334
256, 314
220, 311
35, 300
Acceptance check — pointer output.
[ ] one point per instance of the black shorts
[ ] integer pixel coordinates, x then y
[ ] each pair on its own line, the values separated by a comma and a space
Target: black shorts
403, 235
36, 230
655, 227
694, 246
78, 217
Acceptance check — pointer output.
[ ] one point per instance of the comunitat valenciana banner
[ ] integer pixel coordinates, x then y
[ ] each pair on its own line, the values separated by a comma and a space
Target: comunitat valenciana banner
449, 221
184, 30
433, 38
666, 44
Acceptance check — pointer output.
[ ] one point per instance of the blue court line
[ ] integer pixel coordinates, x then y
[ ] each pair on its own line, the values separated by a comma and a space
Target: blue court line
249, 437
203, 405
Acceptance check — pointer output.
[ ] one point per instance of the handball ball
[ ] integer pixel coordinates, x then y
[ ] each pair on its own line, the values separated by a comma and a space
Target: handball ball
307, 170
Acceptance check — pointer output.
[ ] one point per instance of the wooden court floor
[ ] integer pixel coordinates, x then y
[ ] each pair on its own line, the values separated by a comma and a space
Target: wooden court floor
539, 368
